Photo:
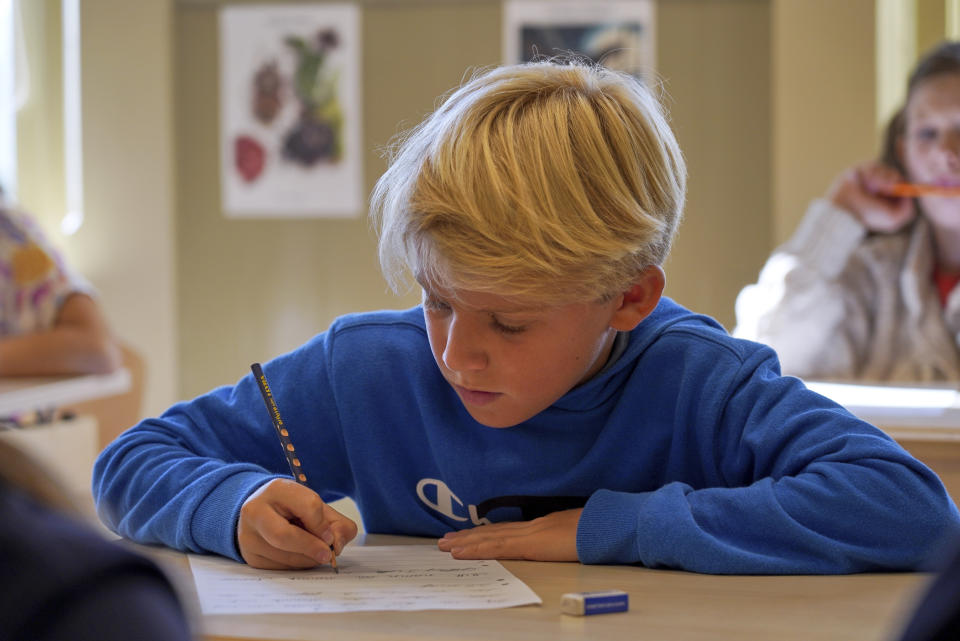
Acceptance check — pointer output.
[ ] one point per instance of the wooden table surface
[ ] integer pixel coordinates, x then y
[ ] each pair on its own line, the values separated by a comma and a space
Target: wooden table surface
664, 605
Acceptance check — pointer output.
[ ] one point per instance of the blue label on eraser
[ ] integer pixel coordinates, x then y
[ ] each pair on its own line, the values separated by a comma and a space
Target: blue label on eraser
605, 602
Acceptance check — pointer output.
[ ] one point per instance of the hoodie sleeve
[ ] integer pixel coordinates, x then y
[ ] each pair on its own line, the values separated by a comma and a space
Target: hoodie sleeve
180, 479
794, 485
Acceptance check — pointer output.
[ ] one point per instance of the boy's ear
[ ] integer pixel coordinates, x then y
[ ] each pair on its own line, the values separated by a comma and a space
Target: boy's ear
637, 302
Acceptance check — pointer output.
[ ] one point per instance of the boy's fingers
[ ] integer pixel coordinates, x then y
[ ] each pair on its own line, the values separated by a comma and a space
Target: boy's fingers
269, 558
547, 538
328, 525
341, 529
260, 552
313, 514
292, 526
287, 537
283, 521
301, 505
316, 517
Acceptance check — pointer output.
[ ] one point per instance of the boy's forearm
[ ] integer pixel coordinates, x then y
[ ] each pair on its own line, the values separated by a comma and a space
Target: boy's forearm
150, 489
789, 483
789, 526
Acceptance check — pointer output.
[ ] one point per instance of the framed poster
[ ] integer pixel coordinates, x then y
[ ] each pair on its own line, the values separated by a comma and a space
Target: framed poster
290, 111
618, 34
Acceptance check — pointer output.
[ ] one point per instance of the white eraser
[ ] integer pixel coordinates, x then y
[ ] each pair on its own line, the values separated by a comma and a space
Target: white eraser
597, 602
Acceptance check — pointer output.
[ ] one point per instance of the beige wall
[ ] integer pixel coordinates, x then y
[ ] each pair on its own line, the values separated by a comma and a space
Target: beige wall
714, 60
126, 246
931, 21
40, 121
823, 99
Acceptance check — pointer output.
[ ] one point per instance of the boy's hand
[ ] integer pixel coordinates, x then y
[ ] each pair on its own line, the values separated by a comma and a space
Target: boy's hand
268, 539
549, 538
860, 191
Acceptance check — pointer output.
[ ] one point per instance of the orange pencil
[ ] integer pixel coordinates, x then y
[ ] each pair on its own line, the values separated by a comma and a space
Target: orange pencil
914, 190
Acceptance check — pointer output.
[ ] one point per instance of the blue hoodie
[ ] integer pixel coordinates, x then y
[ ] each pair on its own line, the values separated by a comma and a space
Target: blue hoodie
689, 451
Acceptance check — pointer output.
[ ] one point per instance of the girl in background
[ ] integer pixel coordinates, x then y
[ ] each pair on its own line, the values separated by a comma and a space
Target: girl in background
866, 287
50, 322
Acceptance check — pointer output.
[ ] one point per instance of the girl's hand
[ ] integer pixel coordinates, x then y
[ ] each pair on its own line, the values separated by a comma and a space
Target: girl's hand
269, 539
549, 538
860, 191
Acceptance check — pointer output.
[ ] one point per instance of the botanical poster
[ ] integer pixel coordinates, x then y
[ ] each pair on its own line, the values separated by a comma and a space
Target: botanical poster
290, 110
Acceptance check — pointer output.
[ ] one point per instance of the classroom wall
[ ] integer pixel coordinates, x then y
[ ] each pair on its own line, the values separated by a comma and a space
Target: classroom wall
250, 289
126, 244
823, 99
769, 99
714, 57
40, 172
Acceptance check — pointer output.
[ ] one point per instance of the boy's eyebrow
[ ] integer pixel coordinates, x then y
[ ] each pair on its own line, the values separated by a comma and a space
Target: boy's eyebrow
518, 309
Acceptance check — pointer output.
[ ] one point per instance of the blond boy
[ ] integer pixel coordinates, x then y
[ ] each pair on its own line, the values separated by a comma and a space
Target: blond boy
545, 402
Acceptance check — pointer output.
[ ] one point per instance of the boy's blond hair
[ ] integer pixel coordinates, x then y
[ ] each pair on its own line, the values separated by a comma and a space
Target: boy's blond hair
549, 182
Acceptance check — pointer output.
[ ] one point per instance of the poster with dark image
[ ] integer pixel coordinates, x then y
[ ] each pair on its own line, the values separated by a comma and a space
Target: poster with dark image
618, 34
616, 46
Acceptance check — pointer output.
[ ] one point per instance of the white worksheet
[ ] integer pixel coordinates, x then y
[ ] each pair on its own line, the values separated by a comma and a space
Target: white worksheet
385, 577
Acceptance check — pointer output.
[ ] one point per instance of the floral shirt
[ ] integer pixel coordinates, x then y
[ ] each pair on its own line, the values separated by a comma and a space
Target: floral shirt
34, 280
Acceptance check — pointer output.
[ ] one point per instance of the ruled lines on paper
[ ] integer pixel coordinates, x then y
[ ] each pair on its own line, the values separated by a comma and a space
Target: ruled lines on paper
392, 577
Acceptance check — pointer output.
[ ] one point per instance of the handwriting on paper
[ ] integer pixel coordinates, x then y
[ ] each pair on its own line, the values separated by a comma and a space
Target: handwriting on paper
395, 577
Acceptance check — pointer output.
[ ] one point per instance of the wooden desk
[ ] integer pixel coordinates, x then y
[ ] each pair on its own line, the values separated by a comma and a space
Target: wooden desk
67, 448
664, 606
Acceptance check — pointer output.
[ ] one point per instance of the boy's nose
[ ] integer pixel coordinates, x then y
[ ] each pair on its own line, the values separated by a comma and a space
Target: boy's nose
464, 350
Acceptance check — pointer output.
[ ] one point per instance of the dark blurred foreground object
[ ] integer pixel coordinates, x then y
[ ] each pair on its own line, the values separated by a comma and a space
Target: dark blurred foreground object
937, 615
59, 579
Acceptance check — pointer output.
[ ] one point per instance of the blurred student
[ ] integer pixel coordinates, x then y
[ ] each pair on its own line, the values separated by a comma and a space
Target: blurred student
866, 287
50, 322
59, 579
